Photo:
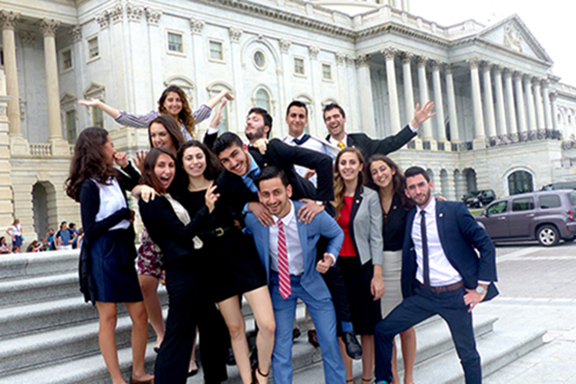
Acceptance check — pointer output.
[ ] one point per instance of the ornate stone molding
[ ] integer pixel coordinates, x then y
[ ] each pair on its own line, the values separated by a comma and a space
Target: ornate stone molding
486, 66
363, 60
436, 65
49, 27
350, 60
152, 15
421, 61
27, 39
340, 58
76, 33
497, 69
448, 69
313, 51
134, 13
8, 19
235, 34
285, 45
116, 13
389, 53
407, 57
536, 81
474, 62
196, 25
103, 19
507, 72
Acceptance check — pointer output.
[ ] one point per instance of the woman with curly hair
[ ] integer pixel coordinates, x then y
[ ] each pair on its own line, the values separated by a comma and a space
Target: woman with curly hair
173, 102
108, 276
387, 179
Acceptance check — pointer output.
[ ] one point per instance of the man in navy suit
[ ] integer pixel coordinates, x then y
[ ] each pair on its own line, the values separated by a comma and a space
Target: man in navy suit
287, 250
441, 274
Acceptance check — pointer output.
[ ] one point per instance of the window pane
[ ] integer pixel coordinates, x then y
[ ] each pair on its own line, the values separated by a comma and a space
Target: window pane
549, 201
259, 59
175, 42
327, 71
67, 59
71, 126
299, 66
93, 47
216, 50
499, 207
523, 204
97, 117
263, 99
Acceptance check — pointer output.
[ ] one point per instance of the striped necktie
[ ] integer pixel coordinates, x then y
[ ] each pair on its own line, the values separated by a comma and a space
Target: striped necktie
283, 271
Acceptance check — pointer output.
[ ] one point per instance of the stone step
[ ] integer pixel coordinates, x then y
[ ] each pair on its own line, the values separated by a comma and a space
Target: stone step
38, 289
25, 265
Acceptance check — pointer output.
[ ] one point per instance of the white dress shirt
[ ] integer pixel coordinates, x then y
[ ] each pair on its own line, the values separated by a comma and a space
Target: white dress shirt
293, 244
441, 271
111, 200
313, 144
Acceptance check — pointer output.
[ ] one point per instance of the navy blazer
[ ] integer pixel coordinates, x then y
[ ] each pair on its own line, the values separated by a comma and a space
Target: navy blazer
321, 225
460, 236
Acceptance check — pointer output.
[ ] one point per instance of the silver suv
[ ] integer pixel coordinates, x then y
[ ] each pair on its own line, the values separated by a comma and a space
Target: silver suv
545, 216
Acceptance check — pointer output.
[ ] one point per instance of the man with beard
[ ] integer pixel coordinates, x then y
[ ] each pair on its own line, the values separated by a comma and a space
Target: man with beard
441, 274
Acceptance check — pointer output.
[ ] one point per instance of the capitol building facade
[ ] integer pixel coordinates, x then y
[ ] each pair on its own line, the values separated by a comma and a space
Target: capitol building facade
504, 120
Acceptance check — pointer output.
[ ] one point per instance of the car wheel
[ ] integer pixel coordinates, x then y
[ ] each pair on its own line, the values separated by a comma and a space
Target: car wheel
548, 235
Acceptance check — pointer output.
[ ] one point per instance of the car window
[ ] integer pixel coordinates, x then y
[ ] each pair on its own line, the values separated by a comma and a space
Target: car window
549, 201
523, 204
489, 193
572, 198
499, 207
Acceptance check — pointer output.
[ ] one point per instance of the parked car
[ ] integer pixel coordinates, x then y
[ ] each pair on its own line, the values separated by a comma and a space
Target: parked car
479, 199
560, 185
546, 216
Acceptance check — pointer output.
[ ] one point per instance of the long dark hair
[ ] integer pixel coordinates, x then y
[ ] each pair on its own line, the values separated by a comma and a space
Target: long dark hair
171, 127
339, 186
213, 165
185, 115
398, 181
148, 176
88, 162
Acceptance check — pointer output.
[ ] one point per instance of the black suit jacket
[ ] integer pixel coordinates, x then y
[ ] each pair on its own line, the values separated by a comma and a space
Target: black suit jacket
384, 146
284, 157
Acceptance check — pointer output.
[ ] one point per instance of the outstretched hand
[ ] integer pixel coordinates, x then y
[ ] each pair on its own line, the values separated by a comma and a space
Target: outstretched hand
218, 116
89, 103
421, 115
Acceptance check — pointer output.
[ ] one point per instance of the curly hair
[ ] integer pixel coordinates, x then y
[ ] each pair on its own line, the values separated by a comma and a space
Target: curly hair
88, 161
339, 186
185, 116
398, 181
148, 176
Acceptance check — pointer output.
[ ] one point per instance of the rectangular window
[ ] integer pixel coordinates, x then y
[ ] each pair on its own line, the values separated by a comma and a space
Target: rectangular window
1, 57
299, 66
216, 50
523, 204
93, 49
175, 42
326, 72
97, 117
67, 59
71, 126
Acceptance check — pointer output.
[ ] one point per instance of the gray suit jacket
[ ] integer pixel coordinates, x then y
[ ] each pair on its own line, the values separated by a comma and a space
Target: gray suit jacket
366, 226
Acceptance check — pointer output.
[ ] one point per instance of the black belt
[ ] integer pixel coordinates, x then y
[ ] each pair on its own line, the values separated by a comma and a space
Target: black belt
216, 232
444, 288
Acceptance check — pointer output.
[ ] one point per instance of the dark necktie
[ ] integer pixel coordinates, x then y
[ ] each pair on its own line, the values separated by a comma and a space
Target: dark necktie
302, 140
425, 259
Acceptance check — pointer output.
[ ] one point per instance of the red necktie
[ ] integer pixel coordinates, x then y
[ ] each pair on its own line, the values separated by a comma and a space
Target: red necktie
283, 271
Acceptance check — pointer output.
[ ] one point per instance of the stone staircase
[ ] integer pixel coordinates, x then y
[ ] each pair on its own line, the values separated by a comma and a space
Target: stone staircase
49, 335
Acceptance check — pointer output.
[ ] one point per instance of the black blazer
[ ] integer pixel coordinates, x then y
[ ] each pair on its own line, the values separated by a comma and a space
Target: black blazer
384, 146
284, 157
168, 232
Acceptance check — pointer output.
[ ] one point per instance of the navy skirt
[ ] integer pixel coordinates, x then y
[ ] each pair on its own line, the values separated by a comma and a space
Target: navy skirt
112, 258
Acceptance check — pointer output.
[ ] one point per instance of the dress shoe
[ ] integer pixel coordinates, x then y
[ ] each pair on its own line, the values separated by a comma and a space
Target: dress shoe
313, 338
296, 333
353, 347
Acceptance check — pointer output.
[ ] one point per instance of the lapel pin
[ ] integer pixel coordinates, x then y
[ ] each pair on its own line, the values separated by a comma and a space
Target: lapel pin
441, 214
357, 201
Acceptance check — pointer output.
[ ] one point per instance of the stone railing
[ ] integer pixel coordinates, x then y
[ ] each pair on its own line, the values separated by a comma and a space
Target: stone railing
41, 149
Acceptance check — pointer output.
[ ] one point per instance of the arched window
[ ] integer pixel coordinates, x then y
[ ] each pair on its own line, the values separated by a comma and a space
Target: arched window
520, 182
263, 99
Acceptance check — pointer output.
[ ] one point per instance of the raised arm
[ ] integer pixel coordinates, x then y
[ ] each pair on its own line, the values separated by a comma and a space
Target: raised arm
216, 99
111, 111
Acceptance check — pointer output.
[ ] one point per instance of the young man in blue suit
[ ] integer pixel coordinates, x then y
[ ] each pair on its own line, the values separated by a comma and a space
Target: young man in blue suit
441, 274
287, 250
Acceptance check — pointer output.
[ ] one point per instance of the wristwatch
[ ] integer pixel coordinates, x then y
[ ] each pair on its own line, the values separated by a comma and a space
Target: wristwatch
481, 290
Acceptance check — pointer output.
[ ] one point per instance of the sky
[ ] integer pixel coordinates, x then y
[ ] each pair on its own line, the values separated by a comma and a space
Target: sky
553, 24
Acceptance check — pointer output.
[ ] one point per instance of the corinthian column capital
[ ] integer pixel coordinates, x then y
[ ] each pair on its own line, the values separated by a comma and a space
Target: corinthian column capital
49, 27
8, 19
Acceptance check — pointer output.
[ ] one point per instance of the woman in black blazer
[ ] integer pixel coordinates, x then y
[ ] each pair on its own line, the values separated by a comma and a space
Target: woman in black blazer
175, 232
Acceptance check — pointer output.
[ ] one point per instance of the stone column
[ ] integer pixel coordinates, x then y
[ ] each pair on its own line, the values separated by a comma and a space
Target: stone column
8, 21
529, 98
522, 128
479, 135
235, 115
365, 89
510, 108
437, 84
59, 146
454, 132
489, 101
424, 97
389, 55
409, 92
540, 124
553, 97
6, 196
548, 112
500, 112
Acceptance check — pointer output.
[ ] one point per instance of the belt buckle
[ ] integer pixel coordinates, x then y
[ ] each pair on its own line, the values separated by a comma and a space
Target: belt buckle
219, 232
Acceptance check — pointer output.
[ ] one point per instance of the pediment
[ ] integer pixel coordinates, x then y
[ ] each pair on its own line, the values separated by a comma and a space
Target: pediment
68, 98
512, 34
95, 90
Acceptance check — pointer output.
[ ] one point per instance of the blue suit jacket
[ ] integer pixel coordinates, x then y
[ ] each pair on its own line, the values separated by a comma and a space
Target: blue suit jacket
460, 236
321, 225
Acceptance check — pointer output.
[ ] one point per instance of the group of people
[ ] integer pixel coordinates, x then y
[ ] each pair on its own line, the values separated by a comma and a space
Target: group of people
67, 238
327, 221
